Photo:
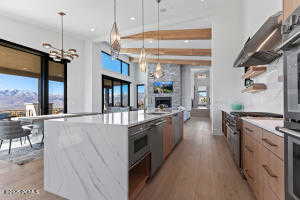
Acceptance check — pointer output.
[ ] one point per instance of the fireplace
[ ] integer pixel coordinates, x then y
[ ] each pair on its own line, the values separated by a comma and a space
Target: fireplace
166, 101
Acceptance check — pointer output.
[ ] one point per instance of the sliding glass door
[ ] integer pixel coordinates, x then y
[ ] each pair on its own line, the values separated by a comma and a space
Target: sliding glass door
30, 83
115, 93
56, 88
20, 74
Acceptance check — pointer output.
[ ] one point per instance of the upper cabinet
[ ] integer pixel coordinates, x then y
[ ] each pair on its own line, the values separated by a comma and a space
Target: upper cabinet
289, 6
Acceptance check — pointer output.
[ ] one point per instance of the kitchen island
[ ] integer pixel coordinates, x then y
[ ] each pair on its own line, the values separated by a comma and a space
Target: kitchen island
107, 156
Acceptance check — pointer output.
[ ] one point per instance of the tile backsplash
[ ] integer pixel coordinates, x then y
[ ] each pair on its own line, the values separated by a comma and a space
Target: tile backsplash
270, 100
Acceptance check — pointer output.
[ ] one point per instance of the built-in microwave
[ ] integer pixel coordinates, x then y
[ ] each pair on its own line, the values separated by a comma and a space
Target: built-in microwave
292, 167
291, 49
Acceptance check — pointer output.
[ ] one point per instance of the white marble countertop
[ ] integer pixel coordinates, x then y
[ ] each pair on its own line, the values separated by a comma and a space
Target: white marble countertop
53, 116
266, 123
131, 118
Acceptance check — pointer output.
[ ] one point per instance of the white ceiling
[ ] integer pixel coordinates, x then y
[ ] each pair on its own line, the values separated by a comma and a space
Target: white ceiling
86, 14
82, 15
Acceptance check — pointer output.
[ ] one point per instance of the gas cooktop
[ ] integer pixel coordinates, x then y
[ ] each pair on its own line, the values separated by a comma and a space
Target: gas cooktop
256, 114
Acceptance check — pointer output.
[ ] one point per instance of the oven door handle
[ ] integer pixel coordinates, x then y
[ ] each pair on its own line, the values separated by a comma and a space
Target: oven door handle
141, 132
288, 44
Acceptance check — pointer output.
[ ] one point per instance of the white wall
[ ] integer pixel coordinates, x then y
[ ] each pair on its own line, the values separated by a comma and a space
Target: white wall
226, 44
255, 13
93, 78
32, 36
270, 100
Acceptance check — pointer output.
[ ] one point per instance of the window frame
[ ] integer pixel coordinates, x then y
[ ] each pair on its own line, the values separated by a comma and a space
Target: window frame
121, 67
43, 85
121, 94
137, 94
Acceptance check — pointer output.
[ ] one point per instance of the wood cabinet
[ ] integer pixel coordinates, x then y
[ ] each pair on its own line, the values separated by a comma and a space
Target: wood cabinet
168, 137
289, 6
263, 163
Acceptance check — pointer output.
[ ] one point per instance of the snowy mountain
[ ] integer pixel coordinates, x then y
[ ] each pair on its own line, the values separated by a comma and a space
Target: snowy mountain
15, 99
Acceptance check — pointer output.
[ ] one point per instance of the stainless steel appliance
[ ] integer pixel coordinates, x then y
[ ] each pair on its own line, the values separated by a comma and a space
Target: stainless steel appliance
292, 166
156, 145
139, 144
291, 48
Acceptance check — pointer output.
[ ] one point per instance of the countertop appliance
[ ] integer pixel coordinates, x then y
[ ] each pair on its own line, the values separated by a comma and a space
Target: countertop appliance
139, 143
292, 164
234, 127
291, 48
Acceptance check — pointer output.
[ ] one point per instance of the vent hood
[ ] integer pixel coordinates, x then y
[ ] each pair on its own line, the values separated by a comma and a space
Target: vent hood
262, 48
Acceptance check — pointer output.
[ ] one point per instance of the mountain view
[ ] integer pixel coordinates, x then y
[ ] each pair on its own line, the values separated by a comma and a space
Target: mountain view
14, 99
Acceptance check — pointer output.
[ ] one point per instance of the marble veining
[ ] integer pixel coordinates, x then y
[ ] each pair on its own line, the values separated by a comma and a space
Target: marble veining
268, 124
131, 118
86, 161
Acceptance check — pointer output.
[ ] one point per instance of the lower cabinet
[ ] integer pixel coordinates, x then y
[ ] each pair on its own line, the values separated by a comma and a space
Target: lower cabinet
263, 163
168, 137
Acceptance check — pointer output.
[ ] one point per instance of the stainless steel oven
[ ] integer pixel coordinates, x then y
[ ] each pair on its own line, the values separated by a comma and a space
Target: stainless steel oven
292, 167
291, 48
138, 143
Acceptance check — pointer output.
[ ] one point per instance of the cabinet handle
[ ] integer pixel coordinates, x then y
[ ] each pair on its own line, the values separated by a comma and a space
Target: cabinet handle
269, 171
246, 171
269, 142
248, 129
249, 149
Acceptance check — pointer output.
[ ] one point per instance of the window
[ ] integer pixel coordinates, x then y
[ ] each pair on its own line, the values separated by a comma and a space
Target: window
115, 93
140, 96
56, 88
116, 65
27, 86
202, 93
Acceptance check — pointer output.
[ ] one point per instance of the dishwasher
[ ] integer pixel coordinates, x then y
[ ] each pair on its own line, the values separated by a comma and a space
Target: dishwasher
156, 145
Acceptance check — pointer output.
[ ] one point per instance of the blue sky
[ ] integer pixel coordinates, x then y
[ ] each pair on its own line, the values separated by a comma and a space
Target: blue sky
27, 83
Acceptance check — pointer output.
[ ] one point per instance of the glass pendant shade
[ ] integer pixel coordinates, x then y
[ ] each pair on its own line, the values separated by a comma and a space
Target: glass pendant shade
143, 61
158, 71
115, 41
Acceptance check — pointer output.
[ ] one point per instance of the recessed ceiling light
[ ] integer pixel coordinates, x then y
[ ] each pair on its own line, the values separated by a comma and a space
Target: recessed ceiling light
150, 41
92, 29
186, 41
132, 18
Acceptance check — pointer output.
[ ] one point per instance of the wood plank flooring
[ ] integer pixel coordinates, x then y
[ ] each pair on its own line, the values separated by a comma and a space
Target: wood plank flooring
200, 168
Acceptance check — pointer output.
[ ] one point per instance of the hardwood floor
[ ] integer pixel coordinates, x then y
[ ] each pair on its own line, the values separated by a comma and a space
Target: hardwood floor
200, 168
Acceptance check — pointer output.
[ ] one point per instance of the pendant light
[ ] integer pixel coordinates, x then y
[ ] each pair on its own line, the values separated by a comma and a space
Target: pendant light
60, 54
142, 60
158, 70
115, 38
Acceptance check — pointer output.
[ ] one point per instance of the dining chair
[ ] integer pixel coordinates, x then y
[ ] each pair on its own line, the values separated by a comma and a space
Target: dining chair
10, 130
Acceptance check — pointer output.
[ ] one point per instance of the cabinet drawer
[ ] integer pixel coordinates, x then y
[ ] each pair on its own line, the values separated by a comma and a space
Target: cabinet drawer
252, 131
273, 172
274, 143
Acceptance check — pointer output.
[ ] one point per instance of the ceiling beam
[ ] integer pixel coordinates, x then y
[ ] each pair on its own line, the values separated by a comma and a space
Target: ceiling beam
168, 51
184, 34
176, 61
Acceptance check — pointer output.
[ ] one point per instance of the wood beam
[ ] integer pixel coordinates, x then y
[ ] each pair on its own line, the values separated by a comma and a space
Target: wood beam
176, 61
168, 51
184, 34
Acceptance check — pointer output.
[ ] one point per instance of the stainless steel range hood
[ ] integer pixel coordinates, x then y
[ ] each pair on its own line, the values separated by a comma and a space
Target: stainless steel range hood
262, 48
